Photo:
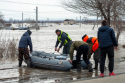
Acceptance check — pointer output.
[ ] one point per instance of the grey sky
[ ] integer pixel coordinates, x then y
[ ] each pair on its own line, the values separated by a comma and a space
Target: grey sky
14, 10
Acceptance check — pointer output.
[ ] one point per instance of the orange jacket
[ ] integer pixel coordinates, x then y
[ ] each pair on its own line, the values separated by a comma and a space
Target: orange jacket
94, 40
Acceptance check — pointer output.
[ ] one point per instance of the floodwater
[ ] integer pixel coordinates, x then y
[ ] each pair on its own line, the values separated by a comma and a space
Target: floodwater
44, 40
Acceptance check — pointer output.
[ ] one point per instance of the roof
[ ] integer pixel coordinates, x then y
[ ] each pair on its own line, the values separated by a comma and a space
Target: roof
69, 20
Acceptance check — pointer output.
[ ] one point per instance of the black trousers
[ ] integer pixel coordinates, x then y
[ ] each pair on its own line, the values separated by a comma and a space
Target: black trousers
96, 55
83, 49
110, 52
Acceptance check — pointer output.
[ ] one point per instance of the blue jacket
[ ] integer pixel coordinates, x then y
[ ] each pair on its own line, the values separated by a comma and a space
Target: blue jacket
25, 41
106, 37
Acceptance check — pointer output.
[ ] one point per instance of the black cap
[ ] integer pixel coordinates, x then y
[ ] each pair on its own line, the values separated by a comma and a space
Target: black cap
84, 36
29, 32
57, 30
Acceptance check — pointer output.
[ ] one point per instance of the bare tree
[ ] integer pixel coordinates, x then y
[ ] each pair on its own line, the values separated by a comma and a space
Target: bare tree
1, 18
11, 20
117, 17
30, 21
108, 9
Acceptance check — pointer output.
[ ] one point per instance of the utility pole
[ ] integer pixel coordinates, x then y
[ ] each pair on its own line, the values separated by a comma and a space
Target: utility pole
76, 20
83, 20
48, 21
36, 18
80, 21
22, 19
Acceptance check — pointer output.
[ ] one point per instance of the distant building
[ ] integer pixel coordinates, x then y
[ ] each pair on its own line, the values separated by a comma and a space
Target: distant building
7, 24
69, 22
1, 25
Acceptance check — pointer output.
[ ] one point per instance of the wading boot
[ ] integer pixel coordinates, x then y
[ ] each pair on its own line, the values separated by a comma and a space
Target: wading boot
90, 67
28, 63
96, 65
20, 63
78, 67
105, 67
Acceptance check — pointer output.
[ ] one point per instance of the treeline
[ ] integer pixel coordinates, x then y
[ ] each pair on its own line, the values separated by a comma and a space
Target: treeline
88, 21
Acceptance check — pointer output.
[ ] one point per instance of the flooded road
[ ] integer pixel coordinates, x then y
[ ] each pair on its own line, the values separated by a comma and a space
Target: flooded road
44, 40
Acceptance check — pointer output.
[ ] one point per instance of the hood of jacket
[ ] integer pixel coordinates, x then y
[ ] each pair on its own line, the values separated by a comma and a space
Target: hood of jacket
26, 34
103, 28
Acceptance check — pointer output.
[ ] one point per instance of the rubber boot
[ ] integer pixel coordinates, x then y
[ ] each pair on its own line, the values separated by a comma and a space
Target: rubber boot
96, 65
90, 67
28, 63
20, 63
78, 67
105, 67
74, 64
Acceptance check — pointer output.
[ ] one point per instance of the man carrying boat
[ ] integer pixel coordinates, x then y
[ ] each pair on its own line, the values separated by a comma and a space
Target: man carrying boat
84, 49
95, 48
65, 41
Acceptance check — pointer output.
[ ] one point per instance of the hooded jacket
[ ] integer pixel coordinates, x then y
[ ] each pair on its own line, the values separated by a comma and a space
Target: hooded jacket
106, 37
25, 41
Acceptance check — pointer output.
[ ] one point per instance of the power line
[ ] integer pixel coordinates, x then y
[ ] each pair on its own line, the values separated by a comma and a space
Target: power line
62, 12
16, 11
30, 3
12, 14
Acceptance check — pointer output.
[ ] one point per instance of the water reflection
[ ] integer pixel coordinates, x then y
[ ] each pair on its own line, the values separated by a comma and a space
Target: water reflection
23, 72
32, 75
49, 76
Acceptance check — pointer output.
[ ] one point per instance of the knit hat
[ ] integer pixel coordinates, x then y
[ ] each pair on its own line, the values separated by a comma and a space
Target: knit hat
84, 36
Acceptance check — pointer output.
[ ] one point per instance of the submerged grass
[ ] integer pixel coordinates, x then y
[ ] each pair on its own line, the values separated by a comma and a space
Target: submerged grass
8, 49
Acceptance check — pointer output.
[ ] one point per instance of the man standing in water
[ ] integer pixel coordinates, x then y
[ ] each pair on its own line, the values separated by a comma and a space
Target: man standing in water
84, 49
23, 48
107, 42
65, 41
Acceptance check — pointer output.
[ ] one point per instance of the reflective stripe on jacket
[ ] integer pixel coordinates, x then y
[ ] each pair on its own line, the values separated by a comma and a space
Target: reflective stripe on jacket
68, 39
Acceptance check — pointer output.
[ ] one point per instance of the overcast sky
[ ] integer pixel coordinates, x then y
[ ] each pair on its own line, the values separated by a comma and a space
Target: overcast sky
47, 10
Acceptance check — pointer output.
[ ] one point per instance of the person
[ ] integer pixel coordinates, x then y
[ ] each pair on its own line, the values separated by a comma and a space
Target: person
107, 42
82, 48
65, 41
95, 49
23, 48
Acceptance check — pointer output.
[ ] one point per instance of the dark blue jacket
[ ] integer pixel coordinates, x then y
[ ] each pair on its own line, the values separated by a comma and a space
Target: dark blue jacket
25, 41
106, 37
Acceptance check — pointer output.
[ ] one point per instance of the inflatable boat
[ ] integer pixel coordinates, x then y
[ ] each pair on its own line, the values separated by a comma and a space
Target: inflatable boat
52, 61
